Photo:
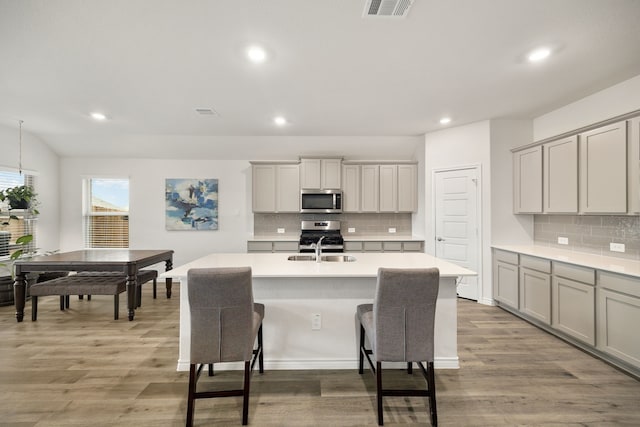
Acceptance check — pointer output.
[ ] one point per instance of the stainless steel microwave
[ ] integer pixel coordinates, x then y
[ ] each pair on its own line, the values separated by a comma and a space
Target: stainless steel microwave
321, 201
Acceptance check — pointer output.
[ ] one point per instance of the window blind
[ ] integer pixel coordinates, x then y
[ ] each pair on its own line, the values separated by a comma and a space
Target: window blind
106, 218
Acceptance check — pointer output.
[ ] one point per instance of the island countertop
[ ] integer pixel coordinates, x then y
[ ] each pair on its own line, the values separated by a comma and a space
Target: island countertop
270, 265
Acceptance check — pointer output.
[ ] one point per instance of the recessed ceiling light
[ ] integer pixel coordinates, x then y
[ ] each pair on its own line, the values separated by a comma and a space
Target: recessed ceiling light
445, 120
280, 121
98, 116
256, 54
539, 54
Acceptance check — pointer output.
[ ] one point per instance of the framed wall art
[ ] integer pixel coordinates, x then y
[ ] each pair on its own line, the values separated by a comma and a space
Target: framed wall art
191, 204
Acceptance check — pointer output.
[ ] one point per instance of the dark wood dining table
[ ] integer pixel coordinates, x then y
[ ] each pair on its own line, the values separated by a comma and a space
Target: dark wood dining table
126, 261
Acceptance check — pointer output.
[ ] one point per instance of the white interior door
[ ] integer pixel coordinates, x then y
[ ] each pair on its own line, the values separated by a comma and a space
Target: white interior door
456, 223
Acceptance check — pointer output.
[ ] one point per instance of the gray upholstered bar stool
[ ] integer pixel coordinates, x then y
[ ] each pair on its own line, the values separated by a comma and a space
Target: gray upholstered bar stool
224, 325
399, 326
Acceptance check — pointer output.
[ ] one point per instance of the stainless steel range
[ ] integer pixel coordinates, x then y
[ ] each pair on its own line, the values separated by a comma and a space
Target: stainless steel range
329, 231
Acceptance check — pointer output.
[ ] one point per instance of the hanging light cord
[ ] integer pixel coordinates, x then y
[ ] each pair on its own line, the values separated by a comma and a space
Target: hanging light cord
20, 147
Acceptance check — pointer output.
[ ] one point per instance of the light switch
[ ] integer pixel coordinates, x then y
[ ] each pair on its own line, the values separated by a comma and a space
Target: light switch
280, 230
616, 247
351, 230
563, 240
392, 230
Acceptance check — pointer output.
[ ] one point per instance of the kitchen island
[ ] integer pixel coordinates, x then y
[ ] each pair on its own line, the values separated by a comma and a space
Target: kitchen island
294, 291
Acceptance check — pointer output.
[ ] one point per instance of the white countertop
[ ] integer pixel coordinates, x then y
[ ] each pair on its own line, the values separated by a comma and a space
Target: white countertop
347, 238
277, 265
599, 262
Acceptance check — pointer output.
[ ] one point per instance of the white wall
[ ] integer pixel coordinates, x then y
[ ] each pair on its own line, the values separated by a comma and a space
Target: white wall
40, 160
507, 228
616, 100
147, 203
454, 147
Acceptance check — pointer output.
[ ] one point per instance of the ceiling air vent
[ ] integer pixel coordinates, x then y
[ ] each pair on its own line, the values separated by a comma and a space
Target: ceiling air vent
206, 111
390, 8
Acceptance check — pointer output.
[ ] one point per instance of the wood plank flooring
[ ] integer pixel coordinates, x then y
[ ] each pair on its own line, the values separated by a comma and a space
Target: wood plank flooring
82, 368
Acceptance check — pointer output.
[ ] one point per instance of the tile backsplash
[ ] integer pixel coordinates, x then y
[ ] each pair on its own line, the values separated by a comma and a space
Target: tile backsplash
364, 224
590, 233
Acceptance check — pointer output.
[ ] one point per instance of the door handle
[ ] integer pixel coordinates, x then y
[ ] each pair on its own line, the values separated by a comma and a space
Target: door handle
440, 239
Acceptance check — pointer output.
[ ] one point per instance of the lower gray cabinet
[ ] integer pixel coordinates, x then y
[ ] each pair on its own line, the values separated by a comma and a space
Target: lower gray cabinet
535, 288
574, 309
505, 278
618, 299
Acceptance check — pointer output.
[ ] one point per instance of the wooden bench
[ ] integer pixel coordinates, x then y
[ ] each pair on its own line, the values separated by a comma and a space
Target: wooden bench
79, 285
143, 277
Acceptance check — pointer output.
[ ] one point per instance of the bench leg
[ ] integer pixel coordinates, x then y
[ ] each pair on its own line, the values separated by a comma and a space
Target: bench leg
34, 308
62, 302
116, 306
139, 295
67, 300
155, 284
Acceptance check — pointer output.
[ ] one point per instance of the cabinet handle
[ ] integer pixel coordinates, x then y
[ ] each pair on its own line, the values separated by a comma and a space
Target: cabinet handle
440, 239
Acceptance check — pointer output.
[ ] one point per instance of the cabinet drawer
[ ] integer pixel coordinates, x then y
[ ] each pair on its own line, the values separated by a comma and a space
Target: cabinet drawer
392, 246
535, 263
259, 246
353, 246
504, 256
575, 272
619, 283
286, 246
412, 246
373, 246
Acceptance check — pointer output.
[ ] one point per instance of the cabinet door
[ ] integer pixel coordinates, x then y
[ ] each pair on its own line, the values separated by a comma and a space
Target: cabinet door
603, 169
505, 283
574, 309
388, 201
618, 317
535, 294
369, 188
288, 188
407, 188
351, 188
527, 186
330, 173
560, 176
264, 188
310, 173
634, 166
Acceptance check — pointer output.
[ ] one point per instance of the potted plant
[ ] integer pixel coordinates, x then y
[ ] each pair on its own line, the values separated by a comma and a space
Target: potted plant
20, 197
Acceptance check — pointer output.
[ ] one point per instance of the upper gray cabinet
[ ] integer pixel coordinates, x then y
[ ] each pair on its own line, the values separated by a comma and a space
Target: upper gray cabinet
320, 174
351, 188
380, 187
560, 176
603, 169
634, 166
276, 187
527, 170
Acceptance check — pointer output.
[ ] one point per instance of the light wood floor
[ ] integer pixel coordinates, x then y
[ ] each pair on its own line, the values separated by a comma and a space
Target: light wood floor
82, 368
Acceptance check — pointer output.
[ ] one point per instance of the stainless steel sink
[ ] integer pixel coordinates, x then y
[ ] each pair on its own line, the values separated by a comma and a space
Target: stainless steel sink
338, 258
324, 258
302, 258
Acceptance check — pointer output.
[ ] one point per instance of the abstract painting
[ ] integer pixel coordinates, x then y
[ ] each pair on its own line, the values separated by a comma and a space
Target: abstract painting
191, 204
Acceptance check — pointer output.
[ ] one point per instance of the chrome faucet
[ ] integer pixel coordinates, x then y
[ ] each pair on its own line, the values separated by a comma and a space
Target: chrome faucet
318, 247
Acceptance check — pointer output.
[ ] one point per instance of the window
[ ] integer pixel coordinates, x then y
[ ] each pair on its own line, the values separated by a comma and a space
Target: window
106, 213
15, 223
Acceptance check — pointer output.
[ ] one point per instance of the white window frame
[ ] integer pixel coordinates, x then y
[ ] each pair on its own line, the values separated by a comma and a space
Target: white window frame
88, 213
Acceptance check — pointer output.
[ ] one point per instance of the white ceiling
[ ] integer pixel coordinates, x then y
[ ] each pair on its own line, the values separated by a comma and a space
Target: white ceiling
148, 64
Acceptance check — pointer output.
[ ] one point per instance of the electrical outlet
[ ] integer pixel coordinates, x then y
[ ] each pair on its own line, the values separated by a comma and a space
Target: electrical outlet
351, 230
316, 322
392, 230
563, 240
280, 230
616, 247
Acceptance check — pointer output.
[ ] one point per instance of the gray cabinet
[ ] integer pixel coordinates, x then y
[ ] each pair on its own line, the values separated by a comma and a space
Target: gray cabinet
603, 169
276, 187
320, 173
407, 188
527, 170
384, 246
505, 278
535, 288
272, 246
560, 176
388, 198
618, 299
634, 166
351, 188
573, 301
369, 188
